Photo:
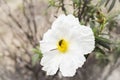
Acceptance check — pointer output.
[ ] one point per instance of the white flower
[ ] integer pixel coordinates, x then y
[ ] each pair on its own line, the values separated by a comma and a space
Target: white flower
64, 46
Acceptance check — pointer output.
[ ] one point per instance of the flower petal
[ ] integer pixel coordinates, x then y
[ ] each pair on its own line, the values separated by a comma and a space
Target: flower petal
63, 24
50, 62
82, 38
49, 41
70, 63
69, 21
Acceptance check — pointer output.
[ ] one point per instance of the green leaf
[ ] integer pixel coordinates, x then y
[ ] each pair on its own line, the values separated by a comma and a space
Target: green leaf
98, 49
52, 2
102, 2
99, 55
35, 59
117, 53
103, 59
103, 42
37, 51
96, 31
75, 1
107, 2
37, 56
92, 25
112, 5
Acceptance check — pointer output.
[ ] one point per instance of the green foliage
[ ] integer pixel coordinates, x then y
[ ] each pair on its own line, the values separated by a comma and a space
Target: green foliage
75, 1
103, 42
103, 59
112, 21
37, 56
107, 1
52, 2
117, 52
111, 5
102, 2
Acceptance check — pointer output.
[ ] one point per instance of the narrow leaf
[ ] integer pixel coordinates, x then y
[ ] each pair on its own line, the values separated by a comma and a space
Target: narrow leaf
107, 2
35, 58
112, 5
37, 51
102, 2
103, 42
98, 49
92, 24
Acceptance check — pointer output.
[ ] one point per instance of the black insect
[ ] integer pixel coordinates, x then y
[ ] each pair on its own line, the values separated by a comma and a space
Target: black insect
60, 42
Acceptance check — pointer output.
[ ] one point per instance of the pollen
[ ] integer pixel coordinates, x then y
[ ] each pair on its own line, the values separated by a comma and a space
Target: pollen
62, 45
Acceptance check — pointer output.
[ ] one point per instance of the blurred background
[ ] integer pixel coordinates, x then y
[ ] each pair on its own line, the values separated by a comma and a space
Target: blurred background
23, 23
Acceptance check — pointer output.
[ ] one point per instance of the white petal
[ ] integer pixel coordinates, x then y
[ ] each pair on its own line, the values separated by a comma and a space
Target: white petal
82, 38
63, 24
50, 62
70, 63
49, 41
69, 21
50, 36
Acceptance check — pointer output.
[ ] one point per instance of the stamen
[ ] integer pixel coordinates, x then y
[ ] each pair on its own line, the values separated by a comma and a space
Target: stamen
62, 45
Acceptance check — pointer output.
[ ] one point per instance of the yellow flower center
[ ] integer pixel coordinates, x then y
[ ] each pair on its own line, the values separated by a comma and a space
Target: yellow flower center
62, 45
